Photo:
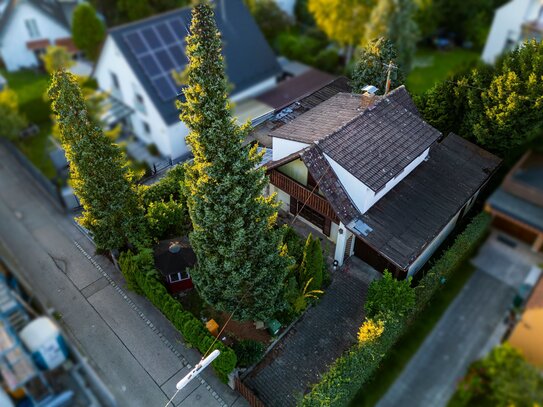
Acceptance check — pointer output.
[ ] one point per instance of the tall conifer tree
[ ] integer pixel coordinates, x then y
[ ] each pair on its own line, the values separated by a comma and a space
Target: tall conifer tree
99, 173
240, 263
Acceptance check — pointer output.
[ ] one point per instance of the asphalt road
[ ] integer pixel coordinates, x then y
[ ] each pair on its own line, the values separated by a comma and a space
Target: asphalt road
134, 349
471, 326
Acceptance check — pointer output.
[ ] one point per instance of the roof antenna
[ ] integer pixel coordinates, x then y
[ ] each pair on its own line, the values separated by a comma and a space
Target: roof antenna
390, 66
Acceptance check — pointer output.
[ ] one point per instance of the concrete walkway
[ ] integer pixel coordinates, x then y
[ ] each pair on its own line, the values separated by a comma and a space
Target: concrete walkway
316, 340
132, 347
471, 326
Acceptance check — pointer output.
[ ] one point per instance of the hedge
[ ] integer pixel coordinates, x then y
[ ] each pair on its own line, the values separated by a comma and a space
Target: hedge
352, 370
193, 330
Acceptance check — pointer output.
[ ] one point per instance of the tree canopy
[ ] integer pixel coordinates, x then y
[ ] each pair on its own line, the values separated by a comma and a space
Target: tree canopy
12, 122
370, 68
240, 267
99, 173
56, 58
88, 31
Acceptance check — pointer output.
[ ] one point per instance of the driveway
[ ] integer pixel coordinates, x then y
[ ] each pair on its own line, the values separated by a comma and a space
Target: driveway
472, 325
315, 341
132, 347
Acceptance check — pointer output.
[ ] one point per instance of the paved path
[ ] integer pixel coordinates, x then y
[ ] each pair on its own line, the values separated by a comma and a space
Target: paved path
319, 338
472, 324
134, 349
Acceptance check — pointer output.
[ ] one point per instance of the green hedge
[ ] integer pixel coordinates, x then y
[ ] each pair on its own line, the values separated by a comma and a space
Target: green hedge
352, 370
192, 329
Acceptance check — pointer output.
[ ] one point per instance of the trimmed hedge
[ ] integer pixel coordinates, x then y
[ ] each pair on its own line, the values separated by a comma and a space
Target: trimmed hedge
352, 370
192, 329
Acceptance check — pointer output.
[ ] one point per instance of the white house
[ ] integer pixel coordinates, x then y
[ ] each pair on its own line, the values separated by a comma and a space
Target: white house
513, 22
28, 27
137, 61
371, 175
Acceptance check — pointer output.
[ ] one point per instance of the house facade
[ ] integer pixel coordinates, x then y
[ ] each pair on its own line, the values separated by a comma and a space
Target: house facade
372, 176
28, 27
514, 22
137, 61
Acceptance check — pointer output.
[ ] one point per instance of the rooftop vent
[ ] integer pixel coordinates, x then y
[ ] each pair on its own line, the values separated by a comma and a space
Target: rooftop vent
175, 247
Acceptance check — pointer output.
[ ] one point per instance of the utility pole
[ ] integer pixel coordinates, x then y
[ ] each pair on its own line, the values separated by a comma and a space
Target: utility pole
390, 66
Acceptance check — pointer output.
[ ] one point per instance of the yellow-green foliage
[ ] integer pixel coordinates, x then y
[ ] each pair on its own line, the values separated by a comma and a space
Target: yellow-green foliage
370, 330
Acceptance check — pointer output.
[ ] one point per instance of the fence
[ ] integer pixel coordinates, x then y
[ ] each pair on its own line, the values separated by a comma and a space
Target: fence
160, 167
247, 393
52, 190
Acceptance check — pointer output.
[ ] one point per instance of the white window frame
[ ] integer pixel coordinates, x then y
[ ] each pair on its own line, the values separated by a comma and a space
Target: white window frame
32, 28
179, 277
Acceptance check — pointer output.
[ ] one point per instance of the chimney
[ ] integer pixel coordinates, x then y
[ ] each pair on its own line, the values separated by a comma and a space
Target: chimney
368, 97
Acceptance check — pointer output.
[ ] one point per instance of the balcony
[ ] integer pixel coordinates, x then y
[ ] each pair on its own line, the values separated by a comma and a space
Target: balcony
303, 194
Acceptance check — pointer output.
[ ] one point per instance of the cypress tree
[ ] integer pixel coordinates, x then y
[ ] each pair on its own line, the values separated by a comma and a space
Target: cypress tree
88, 31
99, 173
237, 246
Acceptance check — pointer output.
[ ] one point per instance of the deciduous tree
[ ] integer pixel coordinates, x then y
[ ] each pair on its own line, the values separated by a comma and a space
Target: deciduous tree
11, 121
99, 173
88, 31
240, 267
389, 296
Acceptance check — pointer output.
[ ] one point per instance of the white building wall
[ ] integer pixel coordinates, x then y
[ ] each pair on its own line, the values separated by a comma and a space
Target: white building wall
282, 147
362, 196
507, 23
13, 49
112, 61
296, 170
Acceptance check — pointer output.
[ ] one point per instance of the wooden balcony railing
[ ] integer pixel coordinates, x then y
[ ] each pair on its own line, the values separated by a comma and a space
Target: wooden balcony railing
303, 194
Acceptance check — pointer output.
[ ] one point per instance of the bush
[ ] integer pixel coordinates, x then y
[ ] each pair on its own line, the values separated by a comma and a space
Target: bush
389, 295
295, 244
312, 264
248, 352
167, 187
194, 331
357, 366
167, 219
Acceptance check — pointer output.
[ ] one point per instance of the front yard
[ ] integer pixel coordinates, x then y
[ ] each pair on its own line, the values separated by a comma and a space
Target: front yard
30, 87
432, 66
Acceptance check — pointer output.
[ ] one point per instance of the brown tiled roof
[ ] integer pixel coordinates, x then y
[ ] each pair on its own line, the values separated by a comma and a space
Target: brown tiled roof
329, 184
322, 120
293, 89
381, 141
406, 220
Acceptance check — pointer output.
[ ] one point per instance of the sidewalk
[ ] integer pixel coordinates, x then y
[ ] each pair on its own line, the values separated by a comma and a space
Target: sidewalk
134, 349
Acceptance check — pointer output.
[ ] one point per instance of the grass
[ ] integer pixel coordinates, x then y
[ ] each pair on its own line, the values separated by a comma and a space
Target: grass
30, 88
410, 342
432, 66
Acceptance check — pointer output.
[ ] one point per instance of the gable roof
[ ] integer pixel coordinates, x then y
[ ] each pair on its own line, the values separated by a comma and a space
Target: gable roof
53, 9
249, 58
403, 224
381, 141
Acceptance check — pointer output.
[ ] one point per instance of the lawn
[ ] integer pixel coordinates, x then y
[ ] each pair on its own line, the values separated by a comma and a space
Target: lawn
30, 88
409, 343
432, 66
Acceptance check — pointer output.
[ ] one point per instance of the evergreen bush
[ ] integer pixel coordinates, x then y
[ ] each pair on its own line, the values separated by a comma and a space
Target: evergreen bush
248, 352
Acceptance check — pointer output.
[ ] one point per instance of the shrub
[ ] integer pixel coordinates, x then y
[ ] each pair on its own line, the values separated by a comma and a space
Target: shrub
248, 352
167, 219
389, 295
312, 264
167, 187
357, 366
192, 329
370, 331
295, 244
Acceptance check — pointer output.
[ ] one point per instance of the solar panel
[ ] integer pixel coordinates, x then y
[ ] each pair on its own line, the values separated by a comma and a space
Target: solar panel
165, 87
178, 27
165, 60
151, 38
135, 42
178, 54
165, 33
150, 66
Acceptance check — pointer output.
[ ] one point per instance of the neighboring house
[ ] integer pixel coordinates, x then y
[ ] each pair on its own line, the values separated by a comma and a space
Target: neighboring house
371, 175
517, 206
137, 61
514, 22
28, 27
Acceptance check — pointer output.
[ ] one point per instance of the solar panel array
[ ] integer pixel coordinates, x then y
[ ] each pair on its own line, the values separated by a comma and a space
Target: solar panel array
159, 50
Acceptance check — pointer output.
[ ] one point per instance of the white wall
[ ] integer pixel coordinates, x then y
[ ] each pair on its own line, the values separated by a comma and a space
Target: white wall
296, 170
362, 196
176, 138
507, 24
112, 60
282, 147
254, 90
13, 49
431, 248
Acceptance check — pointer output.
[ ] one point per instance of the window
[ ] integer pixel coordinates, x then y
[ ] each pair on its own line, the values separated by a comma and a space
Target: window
32, 28
146, 127
174, 278
115, 81
139, 99
139, 103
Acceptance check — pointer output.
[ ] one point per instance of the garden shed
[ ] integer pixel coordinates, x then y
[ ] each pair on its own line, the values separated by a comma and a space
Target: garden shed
173, 258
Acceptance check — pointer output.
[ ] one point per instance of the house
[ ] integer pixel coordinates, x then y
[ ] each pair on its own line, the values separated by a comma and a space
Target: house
514, 22
517, 205
371, 175
137, 61
173, 258
28, 27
